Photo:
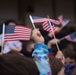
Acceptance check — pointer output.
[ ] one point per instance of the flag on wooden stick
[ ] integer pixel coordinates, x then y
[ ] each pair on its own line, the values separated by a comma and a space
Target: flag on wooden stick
41, 20
47, 27
13, 33
71, 37
63, 22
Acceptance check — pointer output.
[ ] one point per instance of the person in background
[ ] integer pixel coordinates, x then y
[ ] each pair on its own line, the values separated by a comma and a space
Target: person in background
14, 63
27, 48
70, 60
71, 45
10, 22
49, 35
11, 45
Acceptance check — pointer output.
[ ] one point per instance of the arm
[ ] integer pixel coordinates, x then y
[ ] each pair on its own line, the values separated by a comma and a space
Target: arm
53, 41
40, 54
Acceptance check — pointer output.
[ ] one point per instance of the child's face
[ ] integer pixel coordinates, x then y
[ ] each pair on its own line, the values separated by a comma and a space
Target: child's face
69, 61
69, 65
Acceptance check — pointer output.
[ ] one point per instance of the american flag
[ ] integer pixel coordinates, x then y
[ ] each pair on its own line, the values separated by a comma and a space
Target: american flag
63, 21
71, 37
47, 27
13, 33
41, 20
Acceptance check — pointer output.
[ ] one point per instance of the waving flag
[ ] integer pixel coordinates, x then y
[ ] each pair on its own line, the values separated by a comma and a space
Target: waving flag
66, 21
63, 21
71, 37
41, 20
12, 33
46, 26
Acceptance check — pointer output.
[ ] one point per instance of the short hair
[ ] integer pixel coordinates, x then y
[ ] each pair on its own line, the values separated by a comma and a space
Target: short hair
15, 64
56, 65
69, 53
25, 45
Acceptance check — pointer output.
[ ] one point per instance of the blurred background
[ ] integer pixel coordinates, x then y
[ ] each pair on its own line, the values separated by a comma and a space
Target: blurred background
19, 10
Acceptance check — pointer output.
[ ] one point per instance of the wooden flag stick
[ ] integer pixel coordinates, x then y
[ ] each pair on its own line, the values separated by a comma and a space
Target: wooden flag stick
62, 38
53, 35
32, 21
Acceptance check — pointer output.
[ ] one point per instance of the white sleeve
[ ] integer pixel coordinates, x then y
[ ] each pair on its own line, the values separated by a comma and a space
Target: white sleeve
12, 45
6, 48
15, 45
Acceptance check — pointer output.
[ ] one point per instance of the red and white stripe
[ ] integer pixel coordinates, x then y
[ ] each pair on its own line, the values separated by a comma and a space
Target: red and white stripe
20, 33
47, 27
41, 20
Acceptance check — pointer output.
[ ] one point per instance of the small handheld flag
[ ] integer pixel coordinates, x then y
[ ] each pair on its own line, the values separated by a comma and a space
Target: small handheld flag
63, 21
42, 20
53, 33
13, 33
71, 37
47, 27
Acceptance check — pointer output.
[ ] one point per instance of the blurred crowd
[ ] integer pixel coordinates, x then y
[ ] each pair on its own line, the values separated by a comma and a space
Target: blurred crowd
19, 57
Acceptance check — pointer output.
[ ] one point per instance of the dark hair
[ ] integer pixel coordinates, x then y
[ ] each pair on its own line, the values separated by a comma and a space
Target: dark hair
55, 64
15, 64
69, 53
25, 45
8, 21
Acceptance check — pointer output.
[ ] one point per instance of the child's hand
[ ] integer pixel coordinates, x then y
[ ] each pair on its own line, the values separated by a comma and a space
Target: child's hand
36, 36
60, 56
52, 42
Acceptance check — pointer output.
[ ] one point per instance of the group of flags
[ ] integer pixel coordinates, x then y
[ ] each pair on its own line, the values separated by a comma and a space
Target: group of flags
12, 33
48, 25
